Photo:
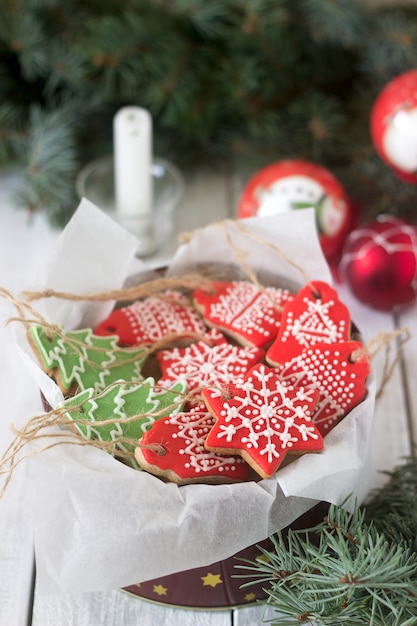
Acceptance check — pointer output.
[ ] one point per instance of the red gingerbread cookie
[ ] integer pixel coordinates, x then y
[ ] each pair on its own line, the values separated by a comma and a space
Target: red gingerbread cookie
243, 311
315, 315
206, 363
339, 372
151, 319
263, 419
174, 449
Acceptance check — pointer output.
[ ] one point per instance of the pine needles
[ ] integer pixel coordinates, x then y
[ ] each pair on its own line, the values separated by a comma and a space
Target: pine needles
354, 569
238, 82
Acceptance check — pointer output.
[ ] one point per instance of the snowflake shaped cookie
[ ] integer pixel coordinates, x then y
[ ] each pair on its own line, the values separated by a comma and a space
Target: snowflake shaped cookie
202, 364
123, 410
315, 315
339, 372
243, 311
263, 419
151, 319
174, 448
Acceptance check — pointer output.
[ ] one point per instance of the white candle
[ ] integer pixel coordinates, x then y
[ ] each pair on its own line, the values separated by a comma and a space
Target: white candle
132, 138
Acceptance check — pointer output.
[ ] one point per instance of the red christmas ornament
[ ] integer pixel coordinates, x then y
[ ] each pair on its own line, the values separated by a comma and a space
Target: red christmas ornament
393, 125
293, 184
379, 263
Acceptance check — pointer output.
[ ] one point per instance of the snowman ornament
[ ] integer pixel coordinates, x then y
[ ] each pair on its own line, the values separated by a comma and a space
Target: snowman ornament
294, 184
393, 125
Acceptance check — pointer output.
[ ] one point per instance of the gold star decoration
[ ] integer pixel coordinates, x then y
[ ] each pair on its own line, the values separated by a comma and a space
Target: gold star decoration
250, 597
211, 580
160, 590
263, 558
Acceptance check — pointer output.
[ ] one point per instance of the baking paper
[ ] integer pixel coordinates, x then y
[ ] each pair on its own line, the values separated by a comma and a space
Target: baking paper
99, 524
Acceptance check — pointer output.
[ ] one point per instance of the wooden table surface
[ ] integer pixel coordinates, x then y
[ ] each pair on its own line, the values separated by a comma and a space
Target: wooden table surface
24, 243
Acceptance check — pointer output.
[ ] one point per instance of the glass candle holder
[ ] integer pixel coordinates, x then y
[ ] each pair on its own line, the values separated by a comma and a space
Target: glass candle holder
96, 183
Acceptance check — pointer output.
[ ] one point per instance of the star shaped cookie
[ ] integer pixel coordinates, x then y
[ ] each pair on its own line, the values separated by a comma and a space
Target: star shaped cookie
263, 419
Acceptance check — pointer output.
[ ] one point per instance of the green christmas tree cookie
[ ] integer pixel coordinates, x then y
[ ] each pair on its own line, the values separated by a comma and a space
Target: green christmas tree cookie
80, 360
121, 401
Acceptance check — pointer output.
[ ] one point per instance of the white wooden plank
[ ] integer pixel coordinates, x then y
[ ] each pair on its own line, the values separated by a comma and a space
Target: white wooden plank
24, 241
408, 319
116, 607
249, 616
16, 558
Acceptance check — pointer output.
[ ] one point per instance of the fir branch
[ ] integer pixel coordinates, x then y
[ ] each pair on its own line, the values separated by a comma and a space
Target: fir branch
355, 569
51, 141
13, 135
24, 35
345, 21
391, 47
242, 81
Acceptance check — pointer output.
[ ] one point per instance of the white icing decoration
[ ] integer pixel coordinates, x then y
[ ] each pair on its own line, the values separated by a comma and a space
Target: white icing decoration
275, 416
314, 325
307, 369
249, 311
192, 429
233, 302
155, 317
62, 353
201, 365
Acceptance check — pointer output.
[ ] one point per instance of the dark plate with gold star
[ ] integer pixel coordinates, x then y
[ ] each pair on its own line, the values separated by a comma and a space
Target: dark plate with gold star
217, 586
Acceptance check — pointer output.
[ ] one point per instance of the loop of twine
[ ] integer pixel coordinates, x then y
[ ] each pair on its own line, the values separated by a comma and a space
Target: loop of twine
159, 448
382, 340
240, 254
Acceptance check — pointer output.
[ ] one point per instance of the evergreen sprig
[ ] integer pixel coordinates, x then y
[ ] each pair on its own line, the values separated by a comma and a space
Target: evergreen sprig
353, 568
241, 82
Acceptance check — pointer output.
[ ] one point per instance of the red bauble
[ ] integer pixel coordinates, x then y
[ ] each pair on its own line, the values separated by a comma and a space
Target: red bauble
294, 184
379, 263
393, 125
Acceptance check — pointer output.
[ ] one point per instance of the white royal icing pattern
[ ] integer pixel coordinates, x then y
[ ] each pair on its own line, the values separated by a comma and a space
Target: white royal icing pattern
232, 303
267, 416
156, 317
260, 316
314, 325
329, 372
193, 428
201, 364
247, 311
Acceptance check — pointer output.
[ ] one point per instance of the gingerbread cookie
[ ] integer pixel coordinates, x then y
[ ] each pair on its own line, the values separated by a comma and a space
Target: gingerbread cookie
263, 419
315, 315
339, 372
205, 363
107, 416
243, 311
151, 319
174, 449
79, 359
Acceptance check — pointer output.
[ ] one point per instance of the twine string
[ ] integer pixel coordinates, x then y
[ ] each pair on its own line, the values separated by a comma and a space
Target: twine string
146, 289
240, 254
385, 340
